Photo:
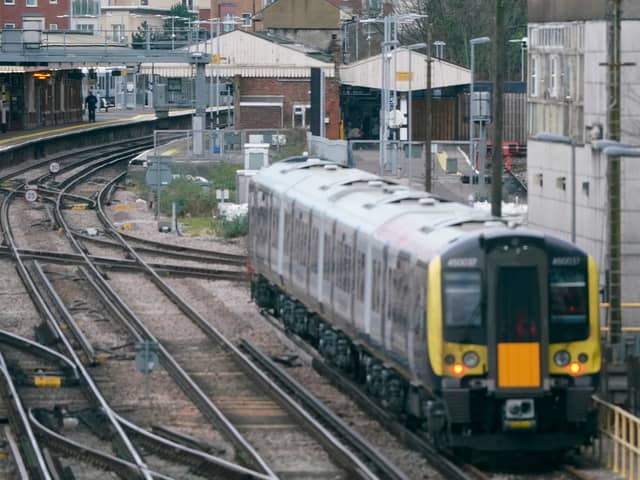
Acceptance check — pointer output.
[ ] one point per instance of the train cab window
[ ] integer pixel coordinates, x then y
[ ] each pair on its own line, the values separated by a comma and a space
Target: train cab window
462, 292
568, 319
517, 305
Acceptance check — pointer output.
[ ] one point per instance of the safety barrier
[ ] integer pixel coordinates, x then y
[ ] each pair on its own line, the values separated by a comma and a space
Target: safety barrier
617, 447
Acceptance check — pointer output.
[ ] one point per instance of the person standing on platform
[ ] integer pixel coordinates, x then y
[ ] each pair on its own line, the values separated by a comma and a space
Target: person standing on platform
91, 103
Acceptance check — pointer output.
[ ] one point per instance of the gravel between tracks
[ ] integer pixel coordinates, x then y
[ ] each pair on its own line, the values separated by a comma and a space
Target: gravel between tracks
227, 306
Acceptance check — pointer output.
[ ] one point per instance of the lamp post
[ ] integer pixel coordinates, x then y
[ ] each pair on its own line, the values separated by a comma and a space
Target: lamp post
390, 29
472, 150
415, 46
524, 42
553, 138
614, 151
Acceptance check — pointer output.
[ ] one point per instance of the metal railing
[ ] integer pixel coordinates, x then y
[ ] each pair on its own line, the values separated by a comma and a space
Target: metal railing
617, 448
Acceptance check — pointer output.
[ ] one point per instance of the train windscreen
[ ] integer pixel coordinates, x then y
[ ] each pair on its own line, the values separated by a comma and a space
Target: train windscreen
568, 319
463, 306
517, 308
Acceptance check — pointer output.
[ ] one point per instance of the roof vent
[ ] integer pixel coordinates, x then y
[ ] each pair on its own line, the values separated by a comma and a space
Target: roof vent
427, 202
375, 183
331, 167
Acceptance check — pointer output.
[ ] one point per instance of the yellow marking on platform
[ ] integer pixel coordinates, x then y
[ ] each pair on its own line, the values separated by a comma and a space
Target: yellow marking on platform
171, 151
79, 206
126, 226
120, 208
442, 159
48, 382
70, 128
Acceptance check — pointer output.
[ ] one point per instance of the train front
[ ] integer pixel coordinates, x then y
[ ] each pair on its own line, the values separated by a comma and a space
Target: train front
519, 356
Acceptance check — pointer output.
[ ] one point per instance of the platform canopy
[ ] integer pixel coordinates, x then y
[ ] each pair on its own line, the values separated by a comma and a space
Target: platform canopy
248, 55
368, 72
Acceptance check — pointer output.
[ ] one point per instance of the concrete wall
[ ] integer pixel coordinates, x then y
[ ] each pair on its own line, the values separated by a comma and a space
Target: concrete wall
550, 207
570, 10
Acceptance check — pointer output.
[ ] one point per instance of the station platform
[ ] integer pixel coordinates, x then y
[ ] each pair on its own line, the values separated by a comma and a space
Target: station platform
114, 116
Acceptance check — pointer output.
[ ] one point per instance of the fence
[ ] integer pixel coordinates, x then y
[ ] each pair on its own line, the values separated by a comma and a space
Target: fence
227, 145
617, 447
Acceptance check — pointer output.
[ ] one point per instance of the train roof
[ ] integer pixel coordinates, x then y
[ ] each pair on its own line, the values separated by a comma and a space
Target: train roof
412, 220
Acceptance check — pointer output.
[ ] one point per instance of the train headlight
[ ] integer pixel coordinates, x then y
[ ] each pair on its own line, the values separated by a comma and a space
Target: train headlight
458, 369
575, 368
471, 359
562, 358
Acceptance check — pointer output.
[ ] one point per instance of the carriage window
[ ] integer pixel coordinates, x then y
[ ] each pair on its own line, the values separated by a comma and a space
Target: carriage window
568, 318
463, 298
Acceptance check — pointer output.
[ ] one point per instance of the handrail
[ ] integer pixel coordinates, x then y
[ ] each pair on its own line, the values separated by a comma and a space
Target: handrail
618, 447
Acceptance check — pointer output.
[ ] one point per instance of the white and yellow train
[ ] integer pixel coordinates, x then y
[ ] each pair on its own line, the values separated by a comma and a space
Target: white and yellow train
485, 335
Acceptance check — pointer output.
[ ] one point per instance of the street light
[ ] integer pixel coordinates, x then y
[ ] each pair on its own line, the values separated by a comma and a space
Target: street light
553, 138
524, 43
415, 46
390, 26
473, 42
614, 151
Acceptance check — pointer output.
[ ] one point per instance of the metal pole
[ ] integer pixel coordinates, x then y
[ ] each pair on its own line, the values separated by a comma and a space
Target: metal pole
471, 87
410, 132
613, 120
573, 190
217, 99
427, 143
173, 33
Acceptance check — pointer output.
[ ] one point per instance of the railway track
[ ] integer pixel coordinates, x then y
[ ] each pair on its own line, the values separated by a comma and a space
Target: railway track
340, 457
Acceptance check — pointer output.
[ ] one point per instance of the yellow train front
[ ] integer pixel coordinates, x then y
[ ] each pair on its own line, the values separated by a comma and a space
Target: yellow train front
513, 343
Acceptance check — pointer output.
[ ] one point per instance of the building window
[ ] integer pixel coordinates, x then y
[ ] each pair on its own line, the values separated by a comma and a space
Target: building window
9, 26
246, 19
10, 2
118, 32
53, 26
85, 27
554, 76
53, 1
533, 77
84, 7
228, 23
301, 116
32, 3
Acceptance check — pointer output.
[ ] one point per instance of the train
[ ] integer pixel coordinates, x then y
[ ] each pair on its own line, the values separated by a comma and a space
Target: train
482, 334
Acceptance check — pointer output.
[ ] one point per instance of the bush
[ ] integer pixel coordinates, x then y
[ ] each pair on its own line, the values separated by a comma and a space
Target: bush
189, 197
237, 227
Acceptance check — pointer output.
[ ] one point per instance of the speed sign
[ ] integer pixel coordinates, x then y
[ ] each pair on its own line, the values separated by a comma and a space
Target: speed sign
31, 195
54, 167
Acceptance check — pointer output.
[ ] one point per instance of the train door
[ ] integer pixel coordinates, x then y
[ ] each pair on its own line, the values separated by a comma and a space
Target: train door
517, 302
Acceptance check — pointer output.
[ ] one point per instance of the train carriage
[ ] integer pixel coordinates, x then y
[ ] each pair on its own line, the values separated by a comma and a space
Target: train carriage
486, 336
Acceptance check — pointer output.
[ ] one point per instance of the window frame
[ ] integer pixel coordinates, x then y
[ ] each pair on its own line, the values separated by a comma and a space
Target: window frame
533, 76
27, 5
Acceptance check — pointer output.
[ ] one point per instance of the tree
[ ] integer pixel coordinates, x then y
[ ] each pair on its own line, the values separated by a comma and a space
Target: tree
139, 38
457, 21
177, 22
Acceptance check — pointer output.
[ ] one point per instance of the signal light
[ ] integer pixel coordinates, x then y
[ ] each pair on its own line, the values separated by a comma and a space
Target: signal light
575, 368
458, 369
41, 75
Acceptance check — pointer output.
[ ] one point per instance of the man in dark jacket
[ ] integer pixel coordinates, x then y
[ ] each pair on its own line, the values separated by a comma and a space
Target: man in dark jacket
91, 103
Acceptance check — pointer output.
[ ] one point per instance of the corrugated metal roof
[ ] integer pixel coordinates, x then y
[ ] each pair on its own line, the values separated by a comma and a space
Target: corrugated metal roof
248, 55
368, 72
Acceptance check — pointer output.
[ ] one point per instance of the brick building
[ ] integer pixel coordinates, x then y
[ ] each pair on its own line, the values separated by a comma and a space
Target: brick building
272, 80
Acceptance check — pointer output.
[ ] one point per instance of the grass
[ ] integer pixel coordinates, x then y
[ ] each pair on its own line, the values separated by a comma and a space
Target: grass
197, 226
